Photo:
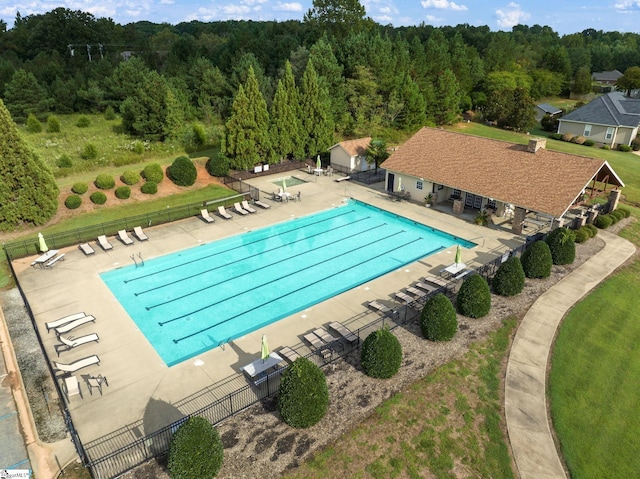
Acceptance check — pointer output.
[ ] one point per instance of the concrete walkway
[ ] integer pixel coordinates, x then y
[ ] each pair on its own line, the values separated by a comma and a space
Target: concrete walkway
525, 387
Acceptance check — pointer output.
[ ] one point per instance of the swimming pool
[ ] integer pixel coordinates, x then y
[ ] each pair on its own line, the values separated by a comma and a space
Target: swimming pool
188, 302
289, 181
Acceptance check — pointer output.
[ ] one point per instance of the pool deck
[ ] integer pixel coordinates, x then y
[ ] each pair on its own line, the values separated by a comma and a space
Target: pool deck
138, 379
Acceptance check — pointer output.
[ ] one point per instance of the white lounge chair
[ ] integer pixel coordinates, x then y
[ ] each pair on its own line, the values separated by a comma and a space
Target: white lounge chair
404, 297
71, 342
64, 320
318, 345
345, 332
124, 237
86, 248
247, 207
204, 214
238, 209
138, 233
380, 308
262, 205
289, 354
104, 243
77, 365
65, 328
223, 212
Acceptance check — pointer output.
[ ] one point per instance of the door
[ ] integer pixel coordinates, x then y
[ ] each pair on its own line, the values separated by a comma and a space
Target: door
391, 178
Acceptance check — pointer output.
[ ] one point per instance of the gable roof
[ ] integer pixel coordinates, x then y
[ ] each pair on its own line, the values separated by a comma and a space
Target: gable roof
357, 147
546, 181
612, 109
551, 110
610, 76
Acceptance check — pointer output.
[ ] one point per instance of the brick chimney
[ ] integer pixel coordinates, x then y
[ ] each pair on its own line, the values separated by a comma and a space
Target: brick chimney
535, 144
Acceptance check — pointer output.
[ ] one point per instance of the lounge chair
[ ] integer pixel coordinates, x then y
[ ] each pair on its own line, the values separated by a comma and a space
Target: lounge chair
405, 297
71, 342
238, 209
289, 354
343, 178
124, 237
328, 338
62, 321
435, 280
77, 365
345, 332
223, 212
318, 345
104, 243
138, 233
262, 205
65, 328
247, 207
380, 308
417, 293
86, 248
428, 288
204, 214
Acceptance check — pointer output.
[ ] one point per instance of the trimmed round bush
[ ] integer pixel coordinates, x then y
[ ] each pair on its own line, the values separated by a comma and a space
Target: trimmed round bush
618, 214
182, 171
582, 235
90, 152
381, 354
614, 218
217, 165
33, 124
625, 148
303, 397
196, 450
509, 279
474, 297
438, 319
153, 172
562, 245
606, 147
123, 192
104, 181
53, 124
72, 202
589, 143
80, 188
130, 177
83, 122
536, 260
149, 188
625, 211
592, 229
64, 161
602, 222
98, 197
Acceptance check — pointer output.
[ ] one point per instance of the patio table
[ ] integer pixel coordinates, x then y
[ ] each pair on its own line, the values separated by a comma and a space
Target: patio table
453, 269
41, 260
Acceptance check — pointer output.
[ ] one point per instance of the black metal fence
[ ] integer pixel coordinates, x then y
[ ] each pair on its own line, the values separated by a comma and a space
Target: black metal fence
367, 177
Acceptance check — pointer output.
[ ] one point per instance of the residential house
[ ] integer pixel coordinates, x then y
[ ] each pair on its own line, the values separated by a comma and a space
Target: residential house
350, 156
608, 78
610, 119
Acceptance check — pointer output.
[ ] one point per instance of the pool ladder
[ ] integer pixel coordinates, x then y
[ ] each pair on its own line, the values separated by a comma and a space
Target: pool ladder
133, 257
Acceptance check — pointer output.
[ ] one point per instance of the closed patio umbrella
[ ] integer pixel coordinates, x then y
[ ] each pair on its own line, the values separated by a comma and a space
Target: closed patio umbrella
458, 255
43, 244
284, 184
264, 349
399, 183
318, 163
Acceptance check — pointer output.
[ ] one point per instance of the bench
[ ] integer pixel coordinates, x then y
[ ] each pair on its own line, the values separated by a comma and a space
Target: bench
53, 261
342, 178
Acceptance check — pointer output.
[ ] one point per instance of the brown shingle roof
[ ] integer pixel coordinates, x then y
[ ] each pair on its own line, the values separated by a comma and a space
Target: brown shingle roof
546, 182
357, 147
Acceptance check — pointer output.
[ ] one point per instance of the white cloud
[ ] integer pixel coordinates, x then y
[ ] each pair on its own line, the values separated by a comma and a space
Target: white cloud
433, 19
235, 10
288, 7
442, 5
511, 16
167, 2
626, 6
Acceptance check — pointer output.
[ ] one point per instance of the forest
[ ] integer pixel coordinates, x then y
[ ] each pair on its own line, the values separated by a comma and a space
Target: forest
291, 89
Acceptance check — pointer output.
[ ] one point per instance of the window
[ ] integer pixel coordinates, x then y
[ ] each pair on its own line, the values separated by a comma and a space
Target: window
609, 134
587, 130
491, 203
456, 193
418, 185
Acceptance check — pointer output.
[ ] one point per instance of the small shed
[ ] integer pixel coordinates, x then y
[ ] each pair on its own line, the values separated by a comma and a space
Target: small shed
350, 156
543, 109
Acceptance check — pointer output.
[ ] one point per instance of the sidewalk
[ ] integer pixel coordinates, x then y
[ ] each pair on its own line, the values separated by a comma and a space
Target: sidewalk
533, 447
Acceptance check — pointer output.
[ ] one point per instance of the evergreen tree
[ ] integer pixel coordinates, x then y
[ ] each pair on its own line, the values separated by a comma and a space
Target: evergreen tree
446, 105
317, 123
582, 81
331, 78
413, 113
337, 17
28, 191
285, 118
146, 112
24, 95
258, 110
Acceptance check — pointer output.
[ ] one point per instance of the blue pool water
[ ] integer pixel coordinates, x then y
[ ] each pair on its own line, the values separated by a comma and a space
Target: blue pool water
188, 302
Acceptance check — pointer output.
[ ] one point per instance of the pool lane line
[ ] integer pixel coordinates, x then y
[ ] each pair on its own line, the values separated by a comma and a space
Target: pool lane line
246, 244
176, 341
231, 278
244, 258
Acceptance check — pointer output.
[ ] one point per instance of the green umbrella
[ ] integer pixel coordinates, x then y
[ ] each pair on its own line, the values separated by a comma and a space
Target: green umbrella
284, 184
318, 163
43, 244
458, 255
264, 348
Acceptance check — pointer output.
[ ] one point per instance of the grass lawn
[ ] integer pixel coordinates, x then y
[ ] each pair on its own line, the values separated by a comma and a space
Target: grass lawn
595, 375
445, 425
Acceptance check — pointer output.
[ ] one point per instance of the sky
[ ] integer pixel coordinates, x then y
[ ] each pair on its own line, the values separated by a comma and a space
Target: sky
564, 16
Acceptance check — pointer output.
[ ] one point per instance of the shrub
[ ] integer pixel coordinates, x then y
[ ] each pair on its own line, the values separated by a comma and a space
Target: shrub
582, 235
635, 144
104, 181
90, 152
153, 172
80, 188
474, 297
592, 229
606, 147
196, 450
509, 279
381, 354
579, 140
217, 165
624, 148
556, 136
138, 147
33, 124
199, 134
303, 396
589, 143
72, 202
614, 218
625, 211
562, 245
83, 122
620, 215
149, 188
123, 192
109, 114
536, 260
53, 124
549, 123
567, 136
64, 161
602, 222
438, 320
98, 197
182, 171
130, 177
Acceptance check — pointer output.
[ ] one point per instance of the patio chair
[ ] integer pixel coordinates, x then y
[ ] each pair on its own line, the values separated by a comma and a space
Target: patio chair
318, 345
86, 249
404, 297
435, 280
289, 354
206, 217
65, 328
328, 338
104, 243
72, 387
139, 234
238, 209
223, 213
417, 293
247, 207
71, 342
124, 237
77, 365
428, 288
64, 320
380, 308
262, 205
345, 332
96, 382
